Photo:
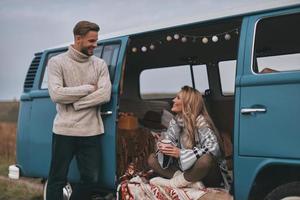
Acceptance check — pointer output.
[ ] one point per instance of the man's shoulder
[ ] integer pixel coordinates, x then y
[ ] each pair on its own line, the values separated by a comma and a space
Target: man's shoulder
58, 58
100, 62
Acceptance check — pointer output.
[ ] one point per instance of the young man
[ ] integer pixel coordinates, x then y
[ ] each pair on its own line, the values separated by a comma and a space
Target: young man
78, 83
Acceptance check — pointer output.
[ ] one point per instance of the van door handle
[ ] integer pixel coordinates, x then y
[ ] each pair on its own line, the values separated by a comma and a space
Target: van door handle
246, 111
106, 113
26, 97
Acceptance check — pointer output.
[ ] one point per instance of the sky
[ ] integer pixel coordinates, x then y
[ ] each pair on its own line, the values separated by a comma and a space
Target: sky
29, 26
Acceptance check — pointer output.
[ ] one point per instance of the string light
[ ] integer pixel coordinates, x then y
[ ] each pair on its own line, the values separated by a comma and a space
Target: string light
204, 40
176, 36
152, 47
184, 38
227, 36
134, 49
144, 49
215, 38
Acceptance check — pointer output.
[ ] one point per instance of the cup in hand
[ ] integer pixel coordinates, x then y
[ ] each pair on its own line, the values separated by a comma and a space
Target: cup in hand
166, 159
165, 142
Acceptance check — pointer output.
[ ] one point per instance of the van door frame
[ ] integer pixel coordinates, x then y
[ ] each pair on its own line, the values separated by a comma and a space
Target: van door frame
108, 166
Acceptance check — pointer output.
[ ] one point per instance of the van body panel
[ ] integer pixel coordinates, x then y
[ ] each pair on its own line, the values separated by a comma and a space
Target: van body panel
22, 153
248, 168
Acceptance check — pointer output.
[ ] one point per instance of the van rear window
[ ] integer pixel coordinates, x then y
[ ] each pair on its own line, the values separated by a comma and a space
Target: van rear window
161, 83
227, 70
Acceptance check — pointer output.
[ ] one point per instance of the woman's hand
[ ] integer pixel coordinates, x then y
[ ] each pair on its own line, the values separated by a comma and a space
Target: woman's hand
169, 150
156, 135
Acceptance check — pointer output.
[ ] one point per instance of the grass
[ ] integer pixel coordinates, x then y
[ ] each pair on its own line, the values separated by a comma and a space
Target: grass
11, 189
7, 146
23, 189
4, 163
9, 111
8, 140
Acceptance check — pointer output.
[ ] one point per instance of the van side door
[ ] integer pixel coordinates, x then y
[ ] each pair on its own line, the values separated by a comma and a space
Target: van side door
269, 96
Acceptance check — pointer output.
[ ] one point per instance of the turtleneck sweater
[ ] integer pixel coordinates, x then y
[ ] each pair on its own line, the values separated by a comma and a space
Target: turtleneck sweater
72, 77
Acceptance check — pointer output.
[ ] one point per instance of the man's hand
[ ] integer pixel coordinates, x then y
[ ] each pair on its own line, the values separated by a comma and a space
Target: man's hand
95, 87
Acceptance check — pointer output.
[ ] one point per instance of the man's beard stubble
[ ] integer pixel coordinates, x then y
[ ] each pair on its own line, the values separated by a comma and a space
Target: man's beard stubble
85, 51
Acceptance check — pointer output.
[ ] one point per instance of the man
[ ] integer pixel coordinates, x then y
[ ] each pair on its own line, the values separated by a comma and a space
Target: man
78, 83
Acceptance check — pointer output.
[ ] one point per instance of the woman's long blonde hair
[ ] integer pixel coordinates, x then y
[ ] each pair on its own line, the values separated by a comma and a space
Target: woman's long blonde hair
193, 106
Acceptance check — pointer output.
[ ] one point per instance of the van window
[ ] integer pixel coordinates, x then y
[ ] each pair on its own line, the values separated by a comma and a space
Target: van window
227, 70
44, 84
110, 56
162, 83
278, 63
201, 78
277, 44
98, 51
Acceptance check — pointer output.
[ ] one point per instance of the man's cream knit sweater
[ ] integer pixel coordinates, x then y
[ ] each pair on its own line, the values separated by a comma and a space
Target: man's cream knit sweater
72, 79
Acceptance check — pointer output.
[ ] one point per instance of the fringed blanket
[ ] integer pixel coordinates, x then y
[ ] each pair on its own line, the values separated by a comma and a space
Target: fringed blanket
138, 188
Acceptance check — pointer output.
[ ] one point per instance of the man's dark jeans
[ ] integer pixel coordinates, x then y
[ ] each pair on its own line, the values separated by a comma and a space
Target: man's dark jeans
87, 153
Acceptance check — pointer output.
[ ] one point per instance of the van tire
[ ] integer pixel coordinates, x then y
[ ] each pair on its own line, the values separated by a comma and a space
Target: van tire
284, 191
67, 191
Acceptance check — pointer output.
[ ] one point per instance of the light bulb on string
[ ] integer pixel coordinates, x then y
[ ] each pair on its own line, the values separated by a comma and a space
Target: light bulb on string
183, 39
176, 36
227, 36
152, 47
204, 40
215, 38
169, 38
134, 49
144, 49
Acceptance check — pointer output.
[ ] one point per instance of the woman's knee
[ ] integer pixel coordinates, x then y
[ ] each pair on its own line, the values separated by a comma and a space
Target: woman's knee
206, 161
201, 169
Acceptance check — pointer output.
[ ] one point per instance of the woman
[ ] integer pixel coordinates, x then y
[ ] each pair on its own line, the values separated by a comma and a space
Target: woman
196, 152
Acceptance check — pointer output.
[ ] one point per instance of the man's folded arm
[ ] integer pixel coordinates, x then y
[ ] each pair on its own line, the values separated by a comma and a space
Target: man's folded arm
59, 93
100, 96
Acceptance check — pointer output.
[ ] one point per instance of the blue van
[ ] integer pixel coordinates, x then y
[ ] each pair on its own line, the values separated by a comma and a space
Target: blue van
247, 65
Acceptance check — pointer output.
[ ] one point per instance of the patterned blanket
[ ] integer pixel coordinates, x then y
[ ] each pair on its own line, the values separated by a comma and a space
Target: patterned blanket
138, 188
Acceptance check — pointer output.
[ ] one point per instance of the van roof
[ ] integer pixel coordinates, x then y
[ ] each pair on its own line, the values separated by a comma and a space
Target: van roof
234, 11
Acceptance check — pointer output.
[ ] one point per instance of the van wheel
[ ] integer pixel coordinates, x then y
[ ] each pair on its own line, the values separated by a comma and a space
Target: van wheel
67, 191
289, 191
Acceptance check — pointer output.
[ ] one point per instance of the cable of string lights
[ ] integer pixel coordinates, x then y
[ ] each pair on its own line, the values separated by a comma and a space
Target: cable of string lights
204, 39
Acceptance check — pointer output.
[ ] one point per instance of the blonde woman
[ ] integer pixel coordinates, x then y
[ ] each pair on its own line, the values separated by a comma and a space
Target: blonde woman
195, 153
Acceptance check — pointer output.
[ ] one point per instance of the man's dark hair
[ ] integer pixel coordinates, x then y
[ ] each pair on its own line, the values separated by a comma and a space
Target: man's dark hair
83, 27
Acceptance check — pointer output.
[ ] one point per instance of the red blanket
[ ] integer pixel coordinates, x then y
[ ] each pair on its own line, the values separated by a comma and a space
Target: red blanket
139, 188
